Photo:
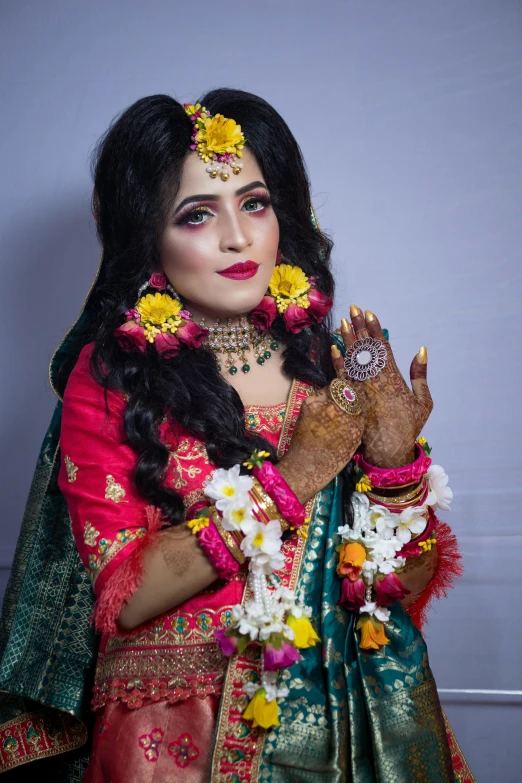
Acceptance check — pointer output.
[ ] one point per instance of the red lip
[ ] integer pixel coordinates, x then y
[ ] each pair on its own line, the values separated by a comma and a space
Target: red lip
241, 270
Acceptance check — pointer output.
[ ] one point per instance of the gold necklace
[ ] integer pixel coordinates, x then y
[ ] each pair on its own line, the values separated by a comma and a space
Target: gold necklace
233, 341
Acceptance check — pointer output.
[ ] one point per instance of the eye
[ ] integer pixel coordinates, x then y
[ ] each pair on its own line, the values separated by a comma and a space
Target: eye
255, 203
196, 217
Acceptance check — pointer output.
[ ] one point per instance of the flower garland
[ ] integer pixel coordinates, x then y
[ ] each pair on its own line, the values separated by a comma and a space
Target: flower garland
374, 549
274, 619
294, 296
158, 319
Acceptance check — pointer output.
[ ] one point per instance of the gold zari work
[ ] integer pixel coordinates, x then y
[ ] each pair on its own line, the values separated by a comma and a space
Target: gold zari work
114, 491
71, 469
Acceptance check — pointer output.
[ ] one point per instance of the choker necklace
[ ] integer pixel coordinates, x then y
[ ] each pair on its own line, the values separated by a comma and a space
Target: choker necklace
232, 342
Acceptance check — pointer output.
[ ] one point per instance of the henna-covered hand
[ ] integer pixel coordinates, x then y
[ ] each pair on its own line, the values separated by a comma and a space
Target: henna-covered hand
395, 414
324, 440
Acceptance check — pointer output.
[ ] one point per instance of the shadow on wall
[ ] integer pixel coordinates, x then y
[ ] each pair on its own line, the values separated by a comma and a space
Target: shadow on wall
51, 259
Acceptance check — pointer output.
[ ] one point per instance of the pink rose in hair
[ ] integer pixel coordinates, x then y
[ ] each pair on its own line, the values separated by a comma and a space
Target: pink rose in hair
158, 280
352, 594
279, 657
185, 314
320, 304
131, 337
228, 644
167, 345
133, 314
263, 315
296, 319
390, 589
191, 334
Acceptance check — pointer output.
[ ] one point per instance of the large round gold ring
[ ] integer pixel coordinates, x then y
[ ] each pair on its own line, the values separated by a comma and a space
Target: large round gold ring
344, 397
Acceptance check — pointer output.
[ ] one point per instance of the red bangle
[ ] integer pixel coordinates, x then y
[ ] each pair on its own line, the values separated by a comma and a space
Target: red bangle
395, 477
213, 545
278, 490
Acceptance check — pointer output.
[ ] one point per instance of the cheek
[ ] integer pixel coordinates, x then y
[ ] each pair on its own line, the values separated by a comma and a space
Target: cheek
186, 253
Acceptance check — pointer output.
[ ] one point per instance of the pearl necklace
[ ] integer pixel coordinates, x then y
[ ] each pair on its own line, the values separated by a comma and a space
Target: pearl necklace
236, 340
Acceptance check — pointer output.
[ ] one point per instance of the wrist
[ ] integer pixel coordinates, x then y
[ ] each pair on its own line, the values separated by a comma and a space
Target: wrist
380, 459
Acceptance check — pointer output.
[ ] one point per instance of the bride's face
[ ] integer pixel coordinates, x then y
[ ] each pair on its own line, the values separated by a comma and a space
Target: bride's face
214, 225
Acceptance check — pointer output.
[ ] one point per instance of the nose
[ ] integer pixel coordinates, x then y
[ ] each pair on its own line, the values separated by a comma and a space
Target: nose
235, 234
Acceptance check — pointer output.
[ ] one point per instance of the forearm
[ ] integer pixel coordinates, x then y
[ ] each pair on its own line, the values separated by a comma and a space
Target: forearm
175, 569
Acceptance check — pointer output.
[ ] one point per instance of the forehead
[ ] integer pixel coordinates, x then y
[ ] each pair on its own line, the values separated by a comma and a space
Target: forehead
195, 179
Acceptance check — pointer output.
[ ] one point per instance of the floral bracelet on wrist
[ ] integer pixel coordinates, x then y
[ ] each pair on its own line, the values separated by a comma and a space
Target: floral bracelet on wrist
275, 620
383, 534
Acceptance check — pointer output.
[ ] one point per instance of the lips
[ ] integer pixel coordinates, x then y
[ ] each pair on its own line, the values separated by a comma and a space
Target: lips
240, 271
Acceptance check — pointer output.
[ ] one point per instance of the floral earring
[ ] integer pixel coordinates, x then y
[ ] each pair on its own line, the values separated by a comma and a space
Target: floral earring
159, 319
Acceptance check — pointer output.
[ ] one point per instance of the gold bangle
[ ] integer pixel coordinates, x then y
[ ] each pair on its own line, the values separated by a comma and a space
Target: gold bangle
398, 500
229, 539
265, 506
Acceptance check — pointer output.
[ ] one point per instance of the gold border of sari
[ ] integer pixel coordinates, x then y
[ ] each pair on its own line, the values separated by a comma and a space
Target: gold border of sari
238, 747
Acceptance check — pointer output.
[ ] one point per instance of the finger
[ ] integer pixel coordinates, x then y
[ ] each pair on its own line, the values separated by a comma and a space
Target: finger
419, 382
347, 333
337, 361
373, 325
359, 324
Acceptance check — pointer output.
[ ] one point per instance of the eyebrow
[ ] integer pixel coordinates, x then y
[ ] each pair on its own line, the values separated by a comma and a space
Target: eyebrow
214, 197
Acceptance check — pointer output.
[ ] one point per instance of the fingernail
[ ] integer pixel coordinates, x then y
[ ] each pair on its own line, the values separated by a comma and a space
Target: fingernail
354, 311
369, 315
336, 353
422, 356
345, 326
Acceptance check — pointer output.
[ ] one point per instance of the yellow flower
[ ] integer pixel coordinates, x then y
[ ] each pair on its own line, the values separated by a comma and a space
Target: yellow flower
218, 136
305, 636
157, 308
198, 524
289, 281
427, 545
422, 441
191, 109
372, 634
264, 713
351, 559
363, 485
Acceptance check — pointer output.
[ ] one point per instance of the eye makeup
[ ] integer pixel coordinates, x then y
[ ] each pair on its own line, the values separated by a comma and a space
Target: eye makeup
186, 217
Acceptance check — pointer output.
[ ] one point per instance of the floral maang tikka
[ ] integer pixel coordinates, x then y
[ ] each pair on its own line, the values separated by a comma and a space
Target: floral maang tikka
218, 140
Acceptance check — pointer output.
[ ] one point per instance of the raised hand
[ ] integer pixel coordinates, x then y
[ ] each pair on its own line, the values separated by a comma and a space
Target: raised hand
395, 414
324, 440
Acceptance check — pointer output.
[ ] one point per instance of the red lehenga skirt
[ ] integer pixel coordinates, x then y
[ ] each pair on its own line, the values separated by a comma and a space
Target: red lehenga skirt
157, 743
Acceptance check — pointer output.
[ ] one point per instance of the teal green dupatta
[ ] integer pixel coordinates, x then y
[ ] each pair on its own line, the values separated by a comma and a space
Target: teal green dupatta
354, 716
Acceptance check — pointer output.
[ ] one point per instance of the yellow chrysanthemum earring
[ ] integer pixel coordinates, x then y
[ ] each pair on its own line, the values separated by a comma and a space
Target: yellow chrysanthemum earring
218, 140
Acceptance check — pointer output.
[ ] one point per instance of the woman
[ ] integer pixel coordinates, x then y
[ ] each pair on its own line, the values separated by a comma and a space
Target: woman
212, 433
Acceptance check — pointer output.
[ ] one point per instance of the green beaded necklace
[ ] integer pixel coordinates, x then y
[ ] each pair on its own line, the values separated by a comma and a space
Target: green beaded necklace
233, 341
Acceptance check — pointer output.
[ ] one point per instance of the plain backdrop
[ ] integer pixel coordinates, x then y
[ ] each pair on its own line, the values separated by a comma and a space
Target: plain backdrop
408, 113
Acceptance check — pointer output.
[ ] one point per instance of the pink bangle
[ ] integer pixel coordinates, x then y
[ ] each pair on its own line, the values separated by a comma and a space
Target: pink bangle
278, 490
216, 551
395, 477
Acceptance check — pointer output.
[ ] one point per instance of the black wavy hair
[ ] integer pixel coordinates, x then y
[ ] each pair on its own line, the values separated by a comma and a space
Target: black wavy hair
136, 169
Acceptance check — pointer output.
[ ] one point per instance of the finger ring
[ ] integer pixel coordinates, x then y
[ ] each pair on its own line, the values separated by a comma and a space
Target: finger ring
365, 359
344, 397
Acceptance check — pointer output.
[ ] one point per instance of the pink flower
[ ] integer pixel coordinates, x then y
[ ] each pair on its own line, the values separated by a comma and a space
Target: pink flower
390, 589
131, 337
228, 644
274, 658
158, 280
191, 334
263, 315
320, 304
352, 594
167, 345
296, 318
133, 314
185, 314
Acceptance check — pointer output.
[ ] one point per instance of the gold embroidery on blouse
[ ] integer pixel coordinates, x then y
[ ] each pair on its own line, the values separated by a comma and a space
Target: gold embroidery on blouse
71, 469
185, 452
114, 491
90, 534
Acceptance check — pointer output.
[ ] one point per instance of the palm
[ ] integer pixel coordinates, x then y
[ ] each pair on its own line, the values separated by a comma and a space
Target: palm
395, 414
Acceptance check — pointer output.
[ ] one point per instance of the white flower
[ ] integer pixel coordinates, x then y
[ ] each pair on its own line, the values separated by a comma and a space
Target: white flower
385, 548
264, 565
360, 506
247, 628
368, 570
380, 518
267, 630
250, 688
228, 488
262, 540
370, 607
392, 564
411, 520
238, 516
440, 495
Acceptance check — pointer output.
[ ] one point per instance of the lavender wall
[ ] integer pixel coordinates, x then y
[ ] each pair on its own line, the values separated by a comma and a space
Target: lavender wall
409, 116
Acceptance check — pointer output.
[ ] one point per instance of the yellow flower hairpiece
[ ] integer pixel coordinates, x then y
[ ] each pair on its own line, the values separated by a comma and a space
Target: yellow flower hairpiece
218, 140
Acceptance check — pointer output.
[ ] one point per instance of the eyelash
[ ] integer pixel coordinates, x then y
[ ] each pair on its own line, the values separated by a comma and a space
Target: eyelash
205, 210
